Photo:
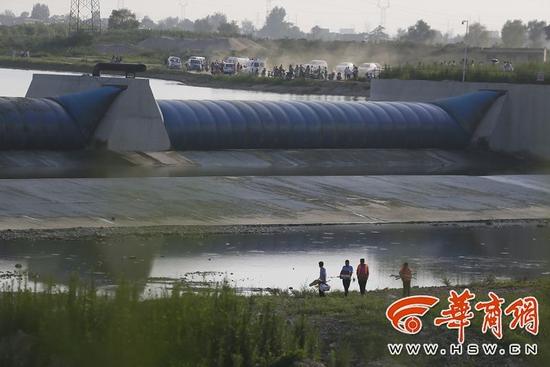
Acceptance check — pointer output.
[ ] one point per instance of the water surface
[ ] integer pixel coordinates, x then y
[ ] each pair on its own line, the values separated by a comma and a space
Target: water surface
282, 260
16, 82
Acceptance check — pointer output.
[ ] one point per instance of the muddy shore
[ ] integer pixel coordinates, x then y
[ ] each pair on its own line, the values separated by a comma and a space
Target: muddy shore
198, 230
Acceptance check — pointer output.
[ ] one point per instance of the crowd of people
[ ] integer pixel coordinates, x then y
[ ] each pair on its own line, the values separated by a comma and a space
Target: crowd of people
362, 276
294, 71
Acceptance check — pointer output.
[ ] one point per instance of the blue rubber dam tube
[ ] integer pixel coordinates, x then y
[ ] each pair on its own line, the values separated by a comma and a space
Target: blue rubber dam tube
59, 123
214, 125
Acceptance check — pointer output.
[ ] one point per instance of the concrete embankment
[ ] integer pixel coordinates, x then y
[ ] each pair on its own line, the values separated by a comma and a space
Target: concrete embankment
241, 201
519, 123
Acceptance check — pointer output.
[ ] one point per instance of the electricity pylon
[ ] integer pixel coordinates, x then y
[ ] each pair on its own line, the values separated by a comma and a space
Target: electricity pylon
84, 16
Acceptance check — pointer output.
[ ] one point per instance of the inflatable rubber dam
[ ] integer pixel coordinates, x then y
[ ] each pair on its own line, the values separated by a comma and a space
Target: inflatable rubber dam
77, 120
80, 151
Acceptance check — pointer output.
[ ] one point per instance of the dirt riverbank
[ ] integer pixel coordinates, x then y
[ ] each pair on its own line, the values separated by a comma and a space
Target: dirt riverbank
148, 231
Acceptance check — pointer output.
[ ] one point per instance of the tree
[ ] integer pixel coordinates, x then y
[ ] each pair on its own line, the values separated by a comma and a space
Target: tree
514, 34
210, 23
377, 35
536, 33
40, 11
24, 15
229, 29
276, 27
7, 18
176, 23
202, 26
148, 23
216, 20
421, 32
123, 19
478, 36
247, 27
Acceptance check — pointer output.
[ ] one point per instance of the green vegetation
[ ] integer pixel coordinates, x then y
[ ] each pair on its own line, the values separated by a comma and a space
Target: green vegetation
523, 73
218, 327
51, 48
184, 328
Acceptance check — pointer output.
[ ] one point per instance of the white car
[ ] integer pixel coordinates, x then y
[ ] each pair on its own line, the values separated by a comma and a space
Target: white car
341, 67
371, 69
316, 64
196, 63
229, 68
174, 62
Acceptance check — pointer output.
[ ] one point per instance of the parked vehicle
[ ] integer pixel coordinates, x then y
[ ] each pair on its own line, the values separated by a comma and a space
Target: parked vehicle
315, 64
242, 61
341, 67
229, 68
196, 63
174, 62
369, 70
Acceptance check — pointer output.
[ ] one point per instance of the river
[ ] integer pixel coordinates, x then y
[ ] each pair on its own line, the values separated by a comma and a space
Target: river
16, 82
289, 259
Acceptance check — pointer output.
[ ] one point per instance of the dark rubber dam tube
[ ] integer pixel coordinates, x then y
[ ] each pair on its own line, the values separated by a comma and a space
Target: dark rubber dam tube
216, 125
60, 123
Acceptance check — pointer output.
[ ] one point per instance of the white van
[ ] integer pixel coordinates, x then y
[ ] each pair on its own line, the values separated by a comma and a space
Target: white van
196, 63
173, 62
316, 64
369, 69
229, 68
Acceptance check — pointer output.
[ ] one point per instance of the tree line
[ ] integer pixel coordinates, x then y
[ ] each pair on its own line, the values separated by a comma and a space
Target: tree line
514, 33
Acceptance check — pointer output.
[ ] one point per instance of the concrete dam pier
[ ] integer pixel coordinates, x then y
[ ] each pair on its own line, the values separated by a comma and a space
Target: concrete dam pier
233, 163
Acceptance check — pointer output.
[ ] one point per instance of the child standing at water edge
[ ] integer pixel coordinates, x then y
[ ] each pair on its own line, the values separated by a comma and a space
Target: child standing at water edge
345, 275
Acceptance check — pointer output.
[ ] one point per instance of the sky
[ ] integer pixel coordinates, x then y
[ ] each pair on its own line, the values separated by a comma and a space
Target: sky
444, 15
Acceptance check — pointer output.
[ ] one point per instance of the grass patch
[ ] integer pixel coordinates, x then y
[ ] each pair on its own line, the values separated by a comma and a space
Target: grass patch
213, 327
218, 327
522, 74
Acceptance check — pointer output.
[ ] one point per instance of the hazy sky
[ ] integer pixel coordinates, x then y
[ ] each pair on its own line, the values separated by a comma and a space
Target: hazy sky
444, 15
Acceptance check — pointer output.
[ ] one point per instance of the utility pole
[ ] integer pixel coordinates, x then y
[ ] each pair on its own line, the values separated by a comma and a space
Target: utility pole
464, 66
120, 4
84, 16
383, 5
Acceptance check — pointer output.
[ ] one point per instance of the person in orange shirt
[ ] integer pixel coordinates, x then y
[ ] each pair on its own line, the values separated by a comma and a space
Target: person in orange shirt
362, 275
406, 275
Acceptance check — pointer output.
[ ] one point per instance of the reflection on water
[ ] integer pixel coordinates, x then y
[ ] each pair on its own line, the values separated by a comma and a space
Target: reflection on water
16, 82
290, 259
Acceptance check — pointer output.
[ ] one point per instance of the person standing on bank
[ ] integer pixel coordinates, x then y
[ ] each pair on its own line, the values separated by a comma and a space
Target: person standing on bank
322, 278
345, 275
406, 275
362, 276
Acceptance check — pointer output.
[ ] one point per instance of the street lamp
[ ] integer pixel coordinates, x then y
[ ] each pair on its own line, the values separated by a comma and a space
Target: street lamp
465, 49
